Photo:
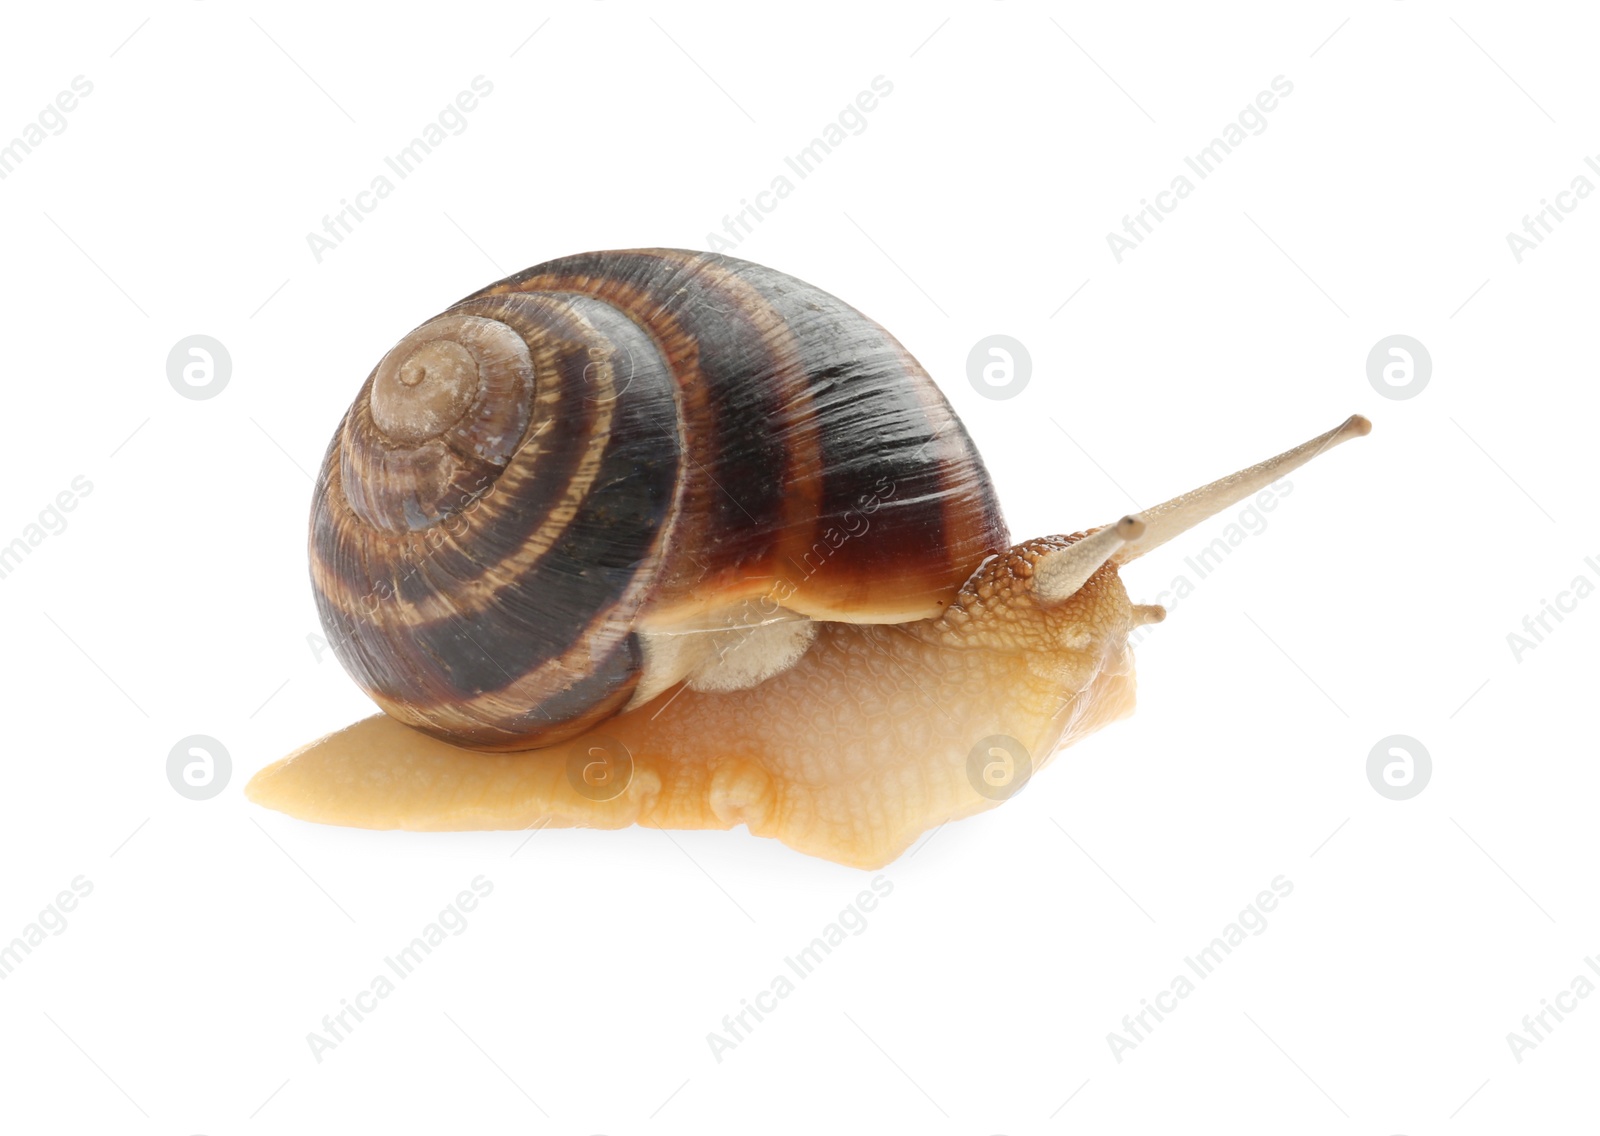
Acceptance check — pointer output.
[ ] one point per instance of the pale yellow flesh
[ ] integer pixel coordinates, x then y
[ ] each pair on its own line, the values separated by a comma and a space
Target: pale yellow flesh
850, 754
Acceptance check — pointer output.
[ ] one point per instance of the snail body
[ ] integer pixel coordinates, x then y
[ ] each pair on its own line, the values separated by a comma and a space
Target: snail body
670, 538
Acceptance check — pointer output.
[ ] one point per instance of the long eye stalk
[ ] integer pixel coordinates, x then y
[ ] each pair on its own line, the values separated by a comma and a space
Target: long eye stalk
1060, 574
1179, 515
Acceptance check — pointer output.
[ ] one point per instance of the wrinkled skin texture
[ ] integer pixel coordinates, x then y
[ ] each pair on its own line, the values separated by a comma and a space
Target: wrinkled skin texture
850, 754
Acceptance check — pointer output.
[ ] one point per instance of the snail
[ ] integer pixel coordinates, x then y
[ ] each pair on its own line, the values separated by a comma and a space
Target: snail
669, 538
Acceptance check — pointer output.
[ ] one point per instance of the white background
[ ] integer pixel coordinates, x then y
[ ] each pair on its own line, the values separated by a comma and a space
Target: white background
977, 201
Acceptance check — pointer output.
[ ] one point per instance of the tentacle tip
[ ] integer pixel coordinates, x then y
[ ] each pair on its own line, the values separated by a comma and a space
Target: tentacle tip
1356, 426
1130, 528
1148, 613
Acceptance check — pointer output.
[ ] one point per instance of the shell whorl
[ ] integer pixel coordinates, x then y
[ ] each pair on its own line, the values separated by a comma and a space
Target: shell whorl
623, 440
440, 417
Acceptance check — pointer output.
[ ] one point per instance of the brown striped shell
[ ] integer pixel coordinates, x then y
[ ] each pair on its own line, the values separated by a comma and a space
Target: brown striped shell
622, 442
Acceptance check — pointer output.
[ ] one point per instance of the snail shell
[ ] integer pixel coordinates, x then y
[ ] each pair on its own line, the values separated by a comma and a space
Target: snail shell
541, 494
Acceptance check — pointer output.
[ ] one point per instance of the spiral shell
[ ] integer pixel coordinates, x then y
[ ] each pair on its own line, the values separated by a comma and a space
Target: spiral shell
617, 444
